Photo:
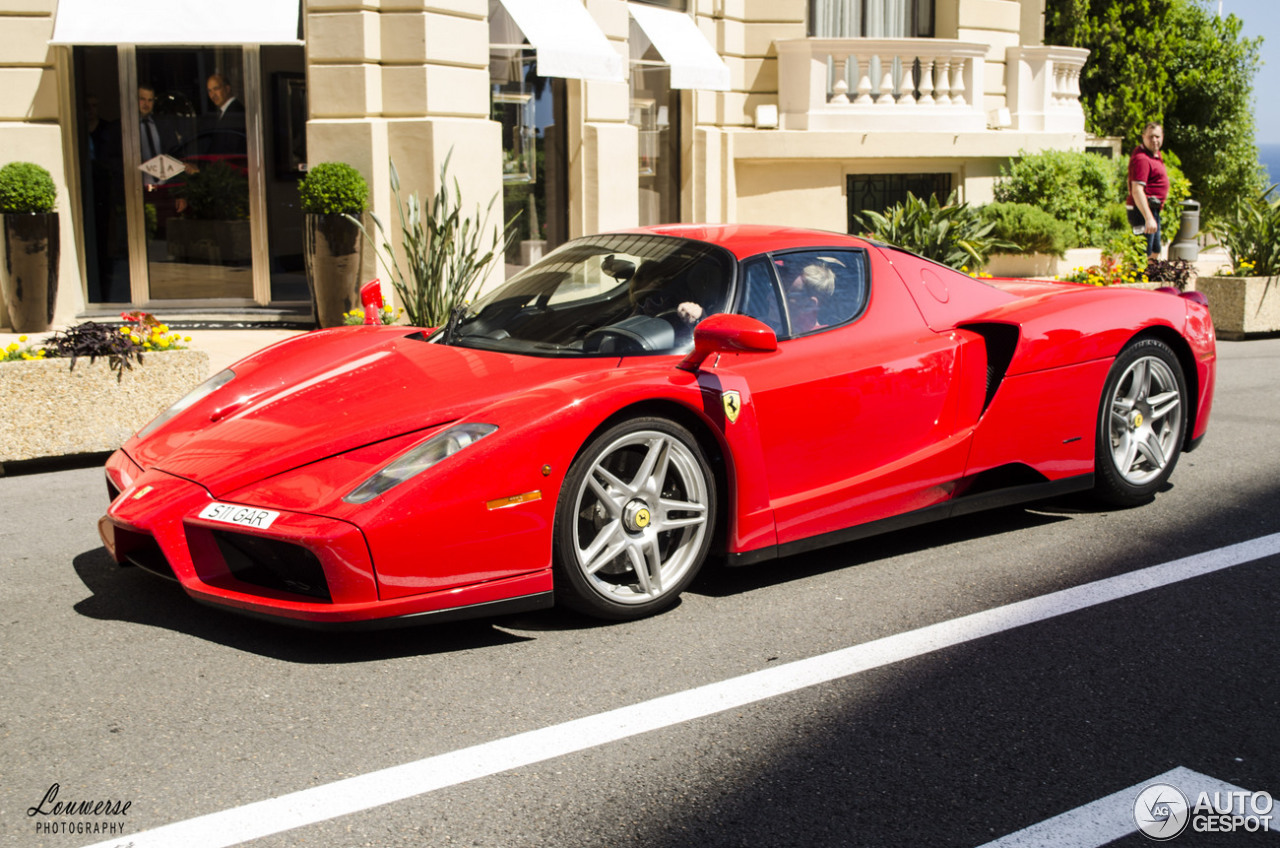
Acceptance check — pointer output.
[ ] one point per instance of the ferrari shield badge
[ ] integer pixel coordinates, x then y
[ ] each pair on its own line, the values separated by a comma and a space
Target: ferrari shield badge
732, 405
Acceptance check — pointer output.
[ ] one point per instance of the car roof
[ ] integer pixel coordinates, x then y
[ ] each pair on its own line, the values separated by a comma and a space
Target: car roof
745, 240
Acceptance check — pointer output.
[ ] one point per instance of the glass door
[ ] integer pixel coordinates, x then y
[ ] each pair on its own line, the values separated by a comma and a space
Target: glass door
191, 155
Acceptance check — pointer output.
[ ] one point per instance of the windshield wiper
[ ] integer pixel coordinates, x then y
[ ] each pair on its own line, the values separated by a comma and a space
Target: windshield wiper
455, 317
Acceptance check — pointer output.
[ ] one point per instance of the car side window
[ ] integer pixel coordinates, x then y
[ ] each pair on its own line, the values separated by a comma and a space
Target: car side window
760, 295
822, 288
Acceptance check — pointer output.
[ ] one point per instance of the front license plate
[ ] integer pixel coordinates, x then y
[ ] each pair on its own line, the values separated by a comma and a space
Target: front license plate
245, 516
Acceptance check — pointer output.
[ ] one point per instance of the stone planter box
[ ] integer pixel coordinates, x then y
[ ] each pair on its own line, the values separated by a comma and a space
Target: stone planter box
1242, 306
51, 410
1028, 265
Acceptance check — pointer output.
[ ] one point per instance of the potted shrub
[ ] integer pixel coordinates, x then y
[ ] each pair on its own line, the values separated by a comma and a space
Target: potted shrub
1243, 301
27, 198
214, 230
952, 233
334, 195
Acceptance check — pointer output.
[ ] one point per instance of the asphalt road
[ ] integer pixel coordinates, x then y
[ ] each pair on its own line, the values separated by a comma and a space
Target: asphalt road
117, 688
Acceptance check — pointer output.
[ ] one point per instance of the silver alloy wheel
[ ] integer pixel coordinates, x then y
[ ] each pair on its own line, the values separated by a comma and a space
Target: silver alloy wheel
641, 514
1145, 420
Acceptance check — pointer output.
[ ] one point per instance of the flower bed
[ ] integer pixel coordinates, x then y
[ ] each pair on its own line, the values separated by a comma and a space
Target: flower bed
51, 409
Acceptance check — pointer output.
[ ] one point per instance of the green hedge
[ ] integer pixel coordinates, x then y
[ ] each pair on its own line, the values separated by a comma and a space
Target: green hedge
1082, 190
1031, 228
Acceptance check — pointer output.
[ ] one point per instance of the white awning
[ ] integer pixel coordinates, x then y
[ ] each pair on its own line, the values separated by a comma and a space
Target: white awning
694, 62
566, 40
176, 22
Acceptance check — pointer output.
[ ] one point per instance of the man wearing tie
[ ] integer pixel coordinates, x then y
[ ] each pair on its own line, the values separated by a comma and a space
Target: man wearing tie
154, 140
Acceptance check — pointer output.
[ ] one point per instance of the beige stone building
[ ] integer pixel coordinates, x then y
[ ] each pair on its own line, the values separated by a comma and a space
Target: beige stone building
177, 130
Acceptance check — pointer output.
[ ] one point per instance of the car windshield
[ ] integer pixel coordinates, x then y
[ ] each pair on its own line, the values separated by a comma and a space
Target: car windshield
605, 295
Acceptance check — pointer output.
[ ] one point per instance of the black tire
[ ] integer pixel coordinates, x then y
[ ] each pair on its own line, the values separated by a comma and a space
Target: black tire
1142, 423
634, 522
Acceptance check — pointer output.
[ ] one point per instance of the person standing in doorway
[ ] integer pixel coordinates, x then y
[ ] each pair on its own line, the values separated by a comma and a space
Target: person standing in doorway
224, 133
1148, 187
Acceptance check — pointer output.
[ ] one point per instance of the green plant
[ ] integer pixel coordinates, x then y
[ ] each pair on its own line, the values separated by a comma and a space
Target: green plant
333, 188
20, 350
443, 248
121, 346
1124, 260
386, 315
952, 233
1071, 186
217, 192
1251, 234
26, 187
1031, 228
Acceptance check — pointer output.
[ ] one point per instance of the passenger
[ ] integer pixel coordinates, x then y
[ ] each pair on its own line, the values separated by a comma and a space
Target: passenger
809, 293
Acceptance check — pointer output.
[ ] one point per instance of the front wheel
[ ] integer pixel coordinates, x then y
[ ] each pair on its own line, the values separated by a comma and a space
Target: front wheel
634, 521
1141, 422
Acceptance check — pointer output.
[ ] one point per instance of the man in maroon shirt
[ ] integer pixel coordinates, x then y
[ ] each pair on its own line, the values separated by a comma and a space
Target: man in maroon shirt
1148, 187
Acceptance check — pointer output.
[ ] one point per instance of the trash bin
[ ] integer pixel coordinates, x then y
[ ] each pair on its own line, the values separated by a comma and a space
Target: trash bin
1184, 244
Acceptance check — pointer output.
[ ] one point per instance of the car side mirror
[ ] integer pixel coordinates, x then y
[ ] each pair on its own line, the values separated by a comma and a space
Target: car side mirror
726, 333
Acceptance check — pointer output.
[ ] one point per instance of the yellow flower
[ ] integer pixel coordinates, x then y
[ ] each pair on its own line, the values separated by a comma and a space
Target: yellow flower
22, 338
186, 338
13, 346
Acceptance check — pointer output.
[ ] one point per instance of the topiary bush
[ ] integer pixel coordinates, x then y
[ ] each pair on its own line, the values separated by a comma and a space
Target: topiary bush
1031, 228
952, 233
26, 187
1077, 188
333, 188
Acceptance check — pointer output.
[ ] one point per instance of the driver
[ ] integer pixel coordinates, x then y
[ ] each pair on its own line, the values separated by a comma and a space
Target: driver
808, 294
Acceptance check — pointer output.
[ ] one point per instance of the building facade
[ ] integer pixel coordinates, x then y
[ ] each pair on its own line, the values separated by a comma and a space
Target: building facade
177, 131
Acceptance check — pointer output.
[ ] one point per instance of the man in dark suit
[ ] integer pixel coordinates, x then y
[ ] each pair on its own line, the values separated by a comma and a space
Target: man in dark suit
224, 131
156, 136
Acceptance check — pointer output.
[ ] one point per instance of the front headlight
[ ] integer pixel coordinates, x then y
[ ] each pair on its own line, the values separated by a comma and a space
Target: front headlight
197, 394
439, 447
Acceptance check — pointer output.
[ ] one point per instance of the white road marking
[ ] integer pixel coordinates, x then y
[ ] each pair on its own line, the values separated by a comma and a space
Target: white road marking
364, 792
1107, 819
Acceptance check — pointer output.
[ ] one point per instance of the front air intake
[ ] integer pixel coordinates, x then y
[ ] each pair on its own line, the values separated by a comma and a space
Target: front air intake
272, 564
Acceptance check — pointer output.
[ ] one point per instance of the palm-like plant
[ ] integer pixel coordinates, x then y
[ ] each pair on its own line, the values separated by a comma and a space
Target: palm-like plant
444, 250
1252, 234
951, 233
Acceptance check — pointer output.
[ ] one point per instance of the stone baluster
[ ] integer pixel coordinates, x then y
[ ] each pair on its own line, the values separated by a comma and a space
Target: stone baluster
942, 82
864, 79
926, 81
840, 88
908, 87
886, 80
957, 82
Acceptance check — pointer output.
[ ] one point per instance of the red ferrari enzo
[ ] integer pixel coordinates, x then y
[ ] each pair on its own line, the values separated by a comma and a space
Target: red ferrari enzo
593, 429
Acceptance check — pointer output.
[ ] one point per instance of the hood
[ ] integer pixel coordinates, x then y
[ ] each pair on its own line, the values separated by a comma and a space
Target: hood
311, 401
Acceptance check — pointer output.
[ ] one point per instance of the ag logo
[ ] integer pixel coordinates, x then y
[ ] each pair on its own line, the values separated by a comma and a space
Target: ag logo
1161, 812
732, 405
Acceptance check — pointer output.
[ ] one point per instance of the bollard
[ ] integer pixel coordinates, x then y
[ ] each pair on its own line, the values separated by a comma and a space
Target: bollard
1184, 244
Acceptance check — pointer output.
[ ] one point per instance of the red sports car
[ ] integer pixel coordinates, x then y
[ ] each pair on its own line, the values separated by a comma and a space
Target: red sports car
593, 429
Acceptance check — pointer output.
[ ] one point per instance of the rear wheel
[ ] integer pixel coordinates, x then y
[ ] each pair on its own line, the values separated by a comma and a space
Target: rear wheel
1141, 423
634, 521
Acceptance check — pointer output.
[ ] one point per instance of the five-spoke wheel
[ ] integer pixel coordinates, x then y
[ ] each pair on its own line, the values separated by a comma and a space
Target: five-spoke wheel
1141, 423
634, 521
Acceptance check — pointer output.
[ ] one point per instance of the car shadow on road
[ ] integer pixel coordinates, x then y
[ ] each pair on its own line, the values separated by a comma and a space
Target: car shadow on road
126, 593
727, 581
